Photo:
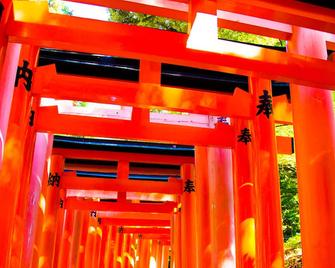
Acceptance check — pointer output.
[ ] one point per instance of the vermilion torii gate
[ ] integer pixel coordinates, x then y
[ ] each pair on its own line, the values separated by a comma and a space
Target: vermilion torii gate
225, 210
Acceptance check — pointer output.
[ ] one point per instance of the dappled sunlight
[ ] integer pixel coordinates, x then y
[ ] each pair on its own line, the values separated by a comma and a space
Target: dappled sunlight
248, 243
153, 263
41, 203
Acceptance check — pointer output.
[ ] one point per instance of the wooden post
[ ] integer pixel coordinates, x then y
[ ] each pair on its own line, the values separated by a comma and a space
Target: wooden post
188, 217
244, 196
222, 212
41, 154
51, 211
269, 234
204, 230
314, 132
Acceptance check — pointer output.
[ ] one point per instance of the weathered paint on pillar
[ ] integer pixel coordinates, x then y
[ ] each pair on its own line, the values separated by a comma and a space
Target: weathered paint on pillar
269, 234
314, 132
244, 196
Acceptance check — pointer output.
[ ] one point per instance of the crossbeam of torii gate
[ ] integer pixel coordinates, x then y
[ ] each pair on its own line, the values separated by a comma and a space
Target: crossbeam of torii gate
312, 110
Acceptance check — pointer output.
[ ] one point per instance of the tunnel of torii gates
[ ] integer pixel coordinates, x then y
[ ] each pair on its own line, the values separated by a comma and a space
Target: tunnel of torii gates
145, 189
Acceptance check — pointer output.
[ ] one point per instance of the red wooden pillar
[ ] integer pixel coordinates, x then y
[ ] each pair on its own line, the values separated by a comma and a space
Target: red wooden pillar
48, 238
126, 251
113, 231
144, 253
65, 249
34, 216
8, 70
83, 238
314, 132
41, 214
176, 239
97, 246
13, 154
159, 254
188, 217
118, 248
104, 247
77, 233
269, 234
203, 226
222, 213
165, 256
89, 246
244, 198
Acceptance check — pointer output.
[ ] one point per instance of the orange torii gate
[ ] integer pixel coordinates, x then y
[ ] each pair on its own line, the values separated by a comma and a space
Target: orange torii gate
226, 206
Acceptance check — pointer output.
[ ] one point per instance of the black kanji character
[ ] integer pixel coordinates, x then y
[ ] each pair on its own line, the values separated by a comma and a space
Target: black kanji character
25, 73
265, 104
189, 186
120, 230
245, 136
53, 179
61, 203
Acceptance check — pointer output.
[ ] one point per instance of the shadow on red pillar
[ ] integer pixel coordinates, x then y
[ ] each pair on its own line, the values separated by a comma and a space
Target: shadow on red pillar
314, 132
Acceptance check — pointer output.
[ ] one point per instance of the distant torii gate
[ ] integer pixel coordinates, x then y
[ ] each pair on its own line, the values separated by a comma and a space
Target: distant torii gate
226, 209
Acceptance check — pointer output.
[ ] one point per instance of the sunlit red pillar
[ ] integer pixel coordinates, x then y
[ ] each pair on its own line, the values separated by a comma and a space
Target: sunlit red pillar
41, 154
13, 156
222, 213
126, 251
97, 246
118, 248
244, 198
89, 246
7, 80
49, 227
269, 234
188, 217
314, 132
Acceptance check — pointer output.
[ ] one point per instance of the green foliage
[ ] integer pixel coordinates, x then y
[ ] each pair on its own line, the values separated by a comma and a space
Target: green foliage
59, 7
250, 38
293, 252
289, 200
134, 18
